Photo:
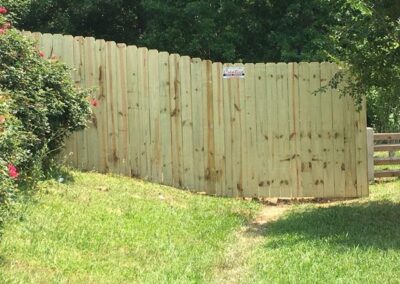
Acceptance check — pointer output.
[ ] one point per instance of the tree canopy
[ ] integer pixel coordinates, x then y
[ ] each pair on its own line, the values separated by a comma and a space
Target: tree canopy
363, 35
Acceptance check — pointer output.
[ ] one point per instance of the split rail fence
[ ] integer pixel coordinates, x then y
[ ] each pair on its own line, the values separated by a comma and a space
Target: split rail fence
175, 120
383, 142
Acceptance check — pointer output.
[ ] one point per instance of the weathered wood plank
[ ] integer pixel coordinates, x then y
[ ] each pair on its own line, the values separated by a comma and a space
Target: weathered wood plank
133, 109
386, 136
144, 131
219, 128
294, 124
272, 170
316, 133
122, 112
112, 119
165, 121
101, 118
227, 114
387, 173
282, 134
338, 138
262, 139
241, 146
387, 161
386, 147
197, 116
154, 108
79, 63
236, 128
362, 152
175, 99
327, 132
250, 181
208, 126
91, 133
187, 123
307, 186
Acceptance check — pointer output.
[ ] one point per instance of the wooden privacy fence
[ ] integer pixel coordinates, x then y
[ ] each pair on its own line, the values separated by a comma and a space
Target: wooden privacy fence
176, 120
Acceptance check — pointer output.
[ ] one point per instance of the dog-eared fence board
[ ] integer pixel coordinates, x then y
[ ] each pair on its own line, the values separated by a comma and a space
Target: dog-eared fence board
176, 120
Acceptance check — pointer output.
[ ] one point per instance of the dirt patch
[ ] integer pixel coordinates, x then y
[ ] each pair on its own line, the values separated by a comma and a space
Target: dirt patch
234, 266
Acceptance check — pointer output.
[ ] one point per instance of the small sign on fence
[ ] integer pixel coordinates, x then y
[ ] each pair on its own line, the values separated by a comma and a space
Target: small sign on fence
233, 72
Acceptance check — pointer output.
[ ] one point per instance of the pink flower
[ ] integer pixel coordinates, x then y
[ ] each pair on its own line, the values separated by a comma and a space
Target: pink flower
3, 10
94, 102
12, 171
41, 53
2, 31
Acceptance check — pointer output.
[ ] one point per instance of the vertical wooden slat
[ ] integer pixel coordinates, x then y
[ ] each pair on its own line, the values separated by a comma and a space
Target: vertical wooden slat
122, 111
284, 156
327, 132
350, 150
305, 130
227, 115
46, 45
219, 128
176, 120
154, 111
91, 134
240, 100
316, 135
294, 137
338, 138
251, 156
236, 128
101, 109
112, 106
165, 121
143, 92
79, 60
262, 138
361, 151
187, 122
58, 47
197, 116
272, 182
68, 59
208, 126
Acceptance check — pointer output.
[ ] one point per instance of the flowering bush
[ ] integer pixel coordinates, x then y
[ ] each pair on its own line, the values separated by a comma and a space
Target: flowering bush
39, 107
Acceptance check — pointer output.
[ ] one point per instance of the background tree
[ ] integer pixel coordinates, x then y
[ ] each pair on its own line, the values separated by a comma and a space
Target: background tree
362, 34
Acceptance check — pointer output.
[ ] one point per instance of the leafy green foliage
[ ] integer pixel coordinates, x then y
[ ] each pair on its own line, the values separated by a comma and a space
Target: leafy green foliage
39, 108
367, 39
362, 34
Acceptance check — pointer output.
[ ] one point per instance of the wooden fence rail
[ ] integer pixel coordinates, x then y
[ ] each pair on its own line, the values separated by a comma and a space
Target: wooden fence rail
176, 120
389, 146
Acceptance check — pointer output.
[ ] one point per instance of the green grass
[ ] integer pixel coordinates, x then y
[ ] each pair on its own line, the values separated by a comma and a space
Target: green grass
104, 229
355, 242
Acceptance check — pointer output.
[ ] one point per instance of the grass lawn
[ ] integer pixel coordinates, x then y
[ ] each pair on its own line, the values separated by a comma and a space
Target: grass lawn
350, 242
104, 229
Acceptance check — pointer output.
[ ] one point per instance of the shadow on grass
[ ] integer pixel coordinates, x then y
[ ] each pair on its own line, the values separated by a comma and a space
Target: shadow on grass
363, 225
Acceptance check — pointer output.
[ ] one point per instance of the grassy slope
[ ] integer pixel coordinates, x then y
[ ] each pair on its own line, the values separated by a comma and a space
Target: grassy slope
355, 242
103, 229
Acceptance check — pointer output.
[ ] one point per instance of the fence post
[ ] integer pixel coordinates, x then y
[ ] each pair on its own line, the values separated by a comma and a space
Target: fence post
370, 147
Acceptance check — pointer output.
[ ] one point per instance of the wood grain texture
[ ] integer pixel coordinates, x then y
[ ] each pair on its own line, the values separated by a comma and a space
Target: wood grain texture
176, 120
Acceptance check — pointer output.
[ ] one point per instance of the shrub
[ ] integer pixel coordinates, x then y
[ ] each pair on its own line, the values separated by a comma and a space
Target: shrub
39, 108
